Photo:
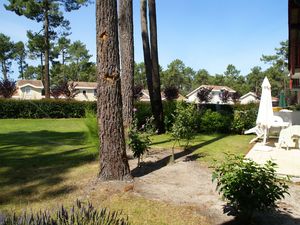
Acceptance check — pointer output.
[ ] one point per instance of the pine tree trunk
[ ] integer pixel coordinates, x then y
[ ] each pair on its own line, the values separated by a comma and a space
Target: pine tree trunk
127, 60
47, 47
157, 103
4, 70
113, 159
146, 50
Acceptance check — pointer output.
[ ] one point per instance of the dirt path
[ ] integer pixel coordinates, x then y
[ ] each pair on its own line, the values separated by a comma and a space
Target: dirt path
189, 183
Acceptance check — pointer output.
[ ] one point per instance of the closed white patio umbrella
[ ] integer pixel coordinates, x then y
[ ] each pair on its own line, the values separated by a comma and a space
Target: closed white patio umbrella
265, 112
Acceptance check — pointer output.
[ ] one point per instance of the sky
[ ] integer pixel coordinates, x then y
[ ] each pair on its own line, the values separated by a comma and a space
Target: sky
204, 34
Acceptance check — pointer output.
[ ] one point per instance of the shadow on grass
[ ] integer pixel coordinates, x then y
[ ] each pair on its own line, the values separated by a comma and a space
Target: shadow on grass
33, 160
150, 167
275, 217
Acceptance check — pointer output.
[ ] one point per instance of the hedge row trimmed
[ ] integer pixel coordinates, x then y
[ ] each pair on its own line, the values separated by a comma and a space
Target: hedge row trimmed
46, 108
212, 118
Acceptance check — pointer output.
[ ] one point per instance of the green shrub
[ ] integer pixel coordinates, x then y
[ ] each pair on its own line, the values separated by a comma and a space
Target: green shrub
243, 120
247, 186
78, 215
139, 143
143, 111
215, 122
184, 125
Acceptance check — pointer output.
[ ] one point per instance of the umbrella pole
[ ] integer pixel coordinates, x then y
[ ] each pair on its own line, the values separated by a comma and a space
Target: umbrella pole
265, 137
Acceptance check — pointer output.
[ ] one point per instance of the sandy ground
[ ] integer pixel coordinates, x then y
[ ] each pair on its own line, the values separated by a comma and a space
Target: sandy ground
187, 182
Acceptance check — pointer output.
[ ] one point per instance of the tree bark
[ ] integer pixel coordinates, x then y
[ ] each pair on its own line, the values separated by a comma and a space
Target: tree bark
47, 46
127, 60
157, 103
113, 159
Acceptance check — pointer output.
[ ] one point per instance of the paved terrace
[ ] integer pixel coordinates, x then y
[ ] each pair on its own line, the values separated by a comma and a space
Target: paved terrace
288, 161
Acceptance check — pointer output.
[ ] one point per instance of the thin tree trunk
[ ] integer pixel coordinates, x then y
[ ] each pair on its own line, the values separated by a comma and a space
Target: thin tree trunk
21, 68
159, 118
113, 159
146, 51
46, 42
127, 60
42, 68
4, 70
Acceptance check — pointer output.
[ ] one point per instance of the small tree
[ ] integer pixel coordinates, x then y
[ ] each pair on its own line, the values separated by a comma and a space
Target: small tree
184, 125
247, 186
204, 94
225, 96
7, 88
235, 97
69, 90
139, 143
171, 93
56, 91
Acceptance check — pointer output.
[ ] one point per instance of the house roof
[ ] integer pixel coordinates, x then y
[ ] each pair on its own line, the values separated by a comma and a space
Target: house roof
214, 88
32, 83
146, 96
85, 85
249, 94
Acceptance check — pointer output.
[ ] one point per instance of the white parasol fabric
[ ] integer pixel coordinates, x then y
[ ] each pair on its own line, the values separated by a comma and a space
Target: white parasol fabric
265, 112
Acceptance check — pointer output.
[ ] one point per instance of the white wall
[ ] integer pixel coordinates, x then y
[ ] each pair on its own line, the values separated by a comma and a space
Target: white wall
29, 92
88, 96
215, 98
249, 99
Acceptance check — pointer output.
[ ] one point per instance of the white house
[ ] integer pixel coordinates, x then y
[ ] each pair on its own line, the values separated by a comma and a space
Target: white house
34, 89
87, 91
145, 96
29, 89
249, 98
216, 90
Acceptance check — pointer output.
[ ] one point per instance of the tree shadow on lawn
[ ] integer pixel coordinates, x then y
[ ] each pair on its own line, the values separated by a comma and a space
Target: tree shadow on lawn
33, 160
150, 167
274, 217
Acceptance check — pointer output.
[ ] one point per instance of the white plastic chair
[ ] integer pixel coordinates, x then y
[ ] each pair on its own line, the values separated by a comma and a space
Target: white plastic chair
289, 137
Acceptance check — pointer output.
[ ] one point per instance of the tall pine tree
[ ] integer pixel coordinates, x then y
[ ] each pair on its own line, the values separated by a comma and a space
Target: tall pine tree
113, 159
50, 14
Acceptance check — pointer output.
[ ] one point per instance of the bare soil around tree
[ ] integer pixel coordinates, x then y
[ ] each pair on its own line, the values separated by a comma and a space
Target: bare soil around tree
188, 182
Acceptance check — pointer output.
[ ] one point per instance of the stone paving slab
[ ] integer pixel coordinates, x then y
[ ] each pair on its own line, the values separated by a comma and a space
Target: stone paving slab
288, 161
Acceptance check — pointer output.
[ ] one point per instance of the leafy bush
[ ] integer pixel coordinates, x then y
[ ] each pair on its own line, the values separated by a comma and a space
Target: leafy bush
215, 122
7, 88
225, 96
247, 186
184, 125
243, 120
169, 113
171, 93
204, 94
139, 143
143, 111
77, 215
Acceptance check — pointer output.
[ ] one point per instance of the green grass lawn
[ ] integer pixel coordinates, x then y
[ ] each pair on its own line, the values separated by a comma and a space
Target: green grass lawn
207, 148
47, 162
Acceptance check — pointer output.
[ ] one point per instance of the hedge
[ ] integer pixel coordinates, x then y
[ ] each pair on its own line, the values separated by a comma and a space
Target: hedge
212, 117
45, 108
